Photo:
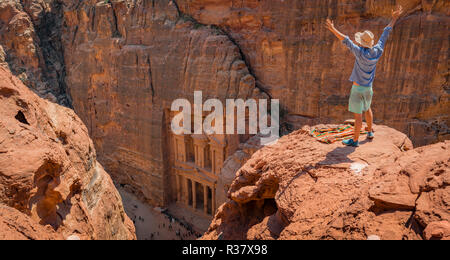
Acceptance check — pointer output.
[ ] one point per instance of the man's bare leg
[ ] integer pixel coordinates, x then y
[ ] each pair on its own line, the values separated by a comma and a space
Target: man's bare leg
369, 120
358, 126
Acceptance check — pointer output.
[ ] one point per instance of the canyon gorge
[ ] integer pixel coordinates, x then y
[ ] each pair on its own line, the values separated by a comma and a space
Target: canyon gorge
119, 65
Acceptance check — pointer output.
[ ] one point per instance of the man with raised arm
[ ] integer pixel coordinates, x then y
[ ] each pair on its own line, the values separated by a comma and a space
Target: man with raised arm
367, 55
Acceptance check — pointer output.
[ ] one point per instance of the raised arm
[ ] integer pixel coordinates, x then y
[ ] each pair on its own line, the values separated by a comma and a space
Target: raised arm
330, 26
384, 37
395, 15
355, 49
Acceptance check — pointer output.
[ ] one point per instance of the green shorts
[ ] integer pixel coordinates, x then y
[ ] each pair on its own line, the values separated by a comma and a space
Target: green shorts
360, 99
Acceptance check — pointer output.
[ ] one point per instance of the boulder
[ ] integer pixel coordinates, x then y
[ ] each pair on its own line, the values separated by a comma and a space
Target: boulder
49, 172
299, 188
438, 231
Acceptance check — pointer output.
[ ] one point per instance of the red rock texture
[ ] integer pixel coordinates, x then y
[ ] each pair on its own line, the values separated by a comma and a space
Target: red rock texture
232, 164
18, 36
30, 36
438, 231
49, 173
294, 58
302, 189
14, 225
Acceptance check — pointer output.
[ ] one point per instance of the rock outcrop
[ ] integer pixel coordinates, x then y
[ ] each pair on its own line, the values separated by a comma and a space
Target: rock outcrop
232, 164
438, 231
295, 59
14, 225
302, 189
51, 185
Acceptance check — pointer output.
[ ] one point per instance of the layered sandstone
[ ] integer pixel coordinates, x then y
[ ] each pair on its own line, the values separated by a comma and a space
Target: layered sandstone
302, 189
30, 38
51, 185
295, 59
139, 56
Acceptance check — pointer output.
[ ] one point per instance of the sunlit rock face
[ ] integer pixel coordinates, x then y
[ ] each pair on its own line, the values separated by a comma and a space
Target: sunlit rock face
51, 185
300, 189
296, 59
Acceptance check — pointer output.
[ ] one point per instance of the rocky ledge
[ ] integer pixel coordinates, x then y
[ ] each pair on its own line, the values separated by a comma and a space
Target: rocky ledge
51, 185
299, 188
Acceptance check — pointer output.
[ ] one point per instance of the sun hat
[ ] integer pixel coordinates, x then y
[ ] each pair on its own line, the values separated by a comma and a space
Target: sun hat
366, 39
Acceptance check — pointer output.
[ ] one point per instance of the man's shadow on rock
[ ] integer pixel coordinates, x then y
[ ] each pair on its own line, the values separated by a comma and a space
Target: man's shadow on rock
340, 154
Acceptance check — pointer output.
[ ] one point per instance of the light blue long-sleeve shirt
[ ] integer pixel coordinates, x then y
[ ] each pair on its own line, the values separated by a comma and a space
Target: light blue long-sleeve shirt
366, 59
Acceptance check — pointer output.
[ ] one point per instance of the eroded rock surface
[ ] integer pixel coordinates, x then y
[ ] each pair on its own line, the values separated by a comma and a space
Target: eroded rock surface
126, 61
14, 225
49, 172
302, 189
232, 165
438, 231
30, 33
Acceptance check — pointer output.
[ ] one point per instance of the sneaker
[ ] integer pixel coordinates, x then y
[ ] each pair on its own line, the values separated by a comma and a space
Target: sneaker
370, 135
350, 142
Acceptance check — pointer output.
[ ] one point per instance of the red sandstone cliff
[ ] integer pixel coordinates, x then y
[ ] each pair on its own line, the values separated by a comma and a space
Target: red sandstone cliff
51, 185
302, 189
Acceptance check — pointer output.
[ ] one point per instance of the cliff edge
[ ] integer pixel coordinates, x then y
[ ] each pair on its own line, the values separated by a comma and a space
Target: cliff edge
51, 185
299, 188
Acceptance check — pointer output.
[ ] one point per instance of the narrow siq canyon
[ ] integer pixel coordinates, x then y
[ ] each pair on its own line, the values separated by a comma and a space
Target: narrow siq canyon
87, 151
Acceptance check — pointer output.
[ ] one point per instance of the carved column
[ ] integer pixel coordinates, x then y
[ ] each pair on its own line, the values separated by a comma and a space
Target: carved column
178, 187
205, 198
194, 195
217, 157
196, 154
180, 148
185, 191
213, 160
200, 144
213, 210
